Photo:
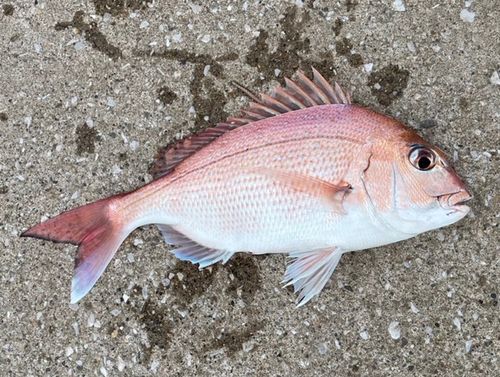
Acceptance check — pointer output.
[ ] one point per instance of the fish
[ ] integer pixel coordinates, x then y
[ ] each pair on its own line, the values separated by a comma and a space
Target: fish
302, 171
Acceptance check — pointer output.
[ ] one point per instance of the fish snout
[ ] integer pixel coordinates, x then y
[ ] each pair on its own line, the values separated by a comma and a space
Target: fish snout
456, 200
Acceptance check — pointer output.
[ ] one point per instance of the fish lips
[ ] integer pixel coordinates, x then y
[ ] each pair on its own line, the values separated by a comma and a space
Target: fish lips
454, 202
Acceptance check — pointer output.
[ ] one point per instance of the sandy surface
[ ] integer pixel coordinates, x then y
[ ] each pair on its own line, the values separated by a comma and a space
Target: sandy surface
90, 91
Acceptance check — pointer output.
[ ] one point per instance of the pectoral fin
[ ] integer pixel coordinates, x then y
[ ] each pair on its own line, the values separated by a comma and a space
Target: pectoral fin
310, 272
333, 193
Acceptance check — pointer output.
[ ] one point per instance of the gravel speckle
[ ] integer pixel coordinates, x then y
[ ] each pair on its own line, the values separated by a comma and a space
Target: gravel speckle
467, 16
395, 330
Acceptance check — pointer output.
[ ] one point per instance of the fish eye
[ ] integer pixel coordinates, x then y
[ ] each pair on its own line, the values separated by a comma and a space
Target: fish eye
422, 158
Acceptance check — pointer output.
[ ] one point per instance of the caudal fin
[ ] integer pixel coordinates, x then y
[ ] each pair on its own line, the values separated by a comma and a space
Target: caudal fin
97, 229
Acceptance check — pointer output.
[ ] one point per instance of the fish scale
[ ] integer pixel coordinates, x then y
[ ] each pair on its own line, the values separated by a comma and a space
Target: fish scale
302, 172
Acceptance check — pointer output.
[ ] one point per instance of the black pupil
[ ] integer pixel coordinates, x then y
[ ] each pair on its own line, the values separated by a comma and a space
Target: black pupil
424, 162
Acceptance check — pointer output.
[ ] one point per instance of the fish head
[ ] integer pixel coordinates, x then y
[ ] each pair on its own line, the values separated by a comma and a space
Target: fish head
421, 191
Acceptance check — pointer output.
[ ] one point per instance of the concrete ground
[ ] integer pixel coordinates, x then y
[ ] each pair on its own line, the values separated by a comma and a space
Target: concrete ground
90, 91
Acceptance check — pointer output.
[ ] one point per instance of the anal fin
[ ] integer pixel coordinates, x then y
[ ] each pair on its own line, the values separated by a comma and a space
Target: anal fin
191, 251
310, 272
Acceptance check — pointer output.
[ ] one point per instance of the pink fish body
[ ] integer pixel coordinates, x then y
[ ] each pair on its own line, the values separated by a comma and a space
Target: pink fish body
302, 172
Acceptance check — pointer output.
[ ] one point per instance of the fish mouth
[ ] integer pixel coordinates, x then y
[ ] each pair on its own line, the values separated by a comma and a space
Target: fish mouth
455, 201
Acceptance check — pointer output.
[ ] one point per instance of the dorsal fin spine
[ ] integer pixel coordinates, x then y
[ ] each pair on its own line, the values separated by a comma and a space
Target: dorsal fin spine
313, 89
270, 101
306, 99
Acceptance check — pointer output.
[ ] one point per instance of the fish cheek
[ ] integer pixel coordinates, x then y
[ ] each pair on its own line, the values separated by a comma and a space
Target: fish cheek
436, 182
378, 185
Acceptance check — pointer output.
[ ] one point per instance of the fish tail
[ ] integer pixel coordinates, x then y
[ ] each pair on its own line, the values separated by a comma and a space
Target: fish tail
97, 228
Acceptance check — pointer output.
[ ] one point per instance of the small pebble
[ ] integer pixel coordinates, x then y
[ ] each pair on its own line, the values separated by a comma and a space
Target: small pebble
248, 346
395, 330
322, 348
155, 364
495, 79
468, 345
364, 335
398, 6
467, 16
120, 364
79, 46
134, 144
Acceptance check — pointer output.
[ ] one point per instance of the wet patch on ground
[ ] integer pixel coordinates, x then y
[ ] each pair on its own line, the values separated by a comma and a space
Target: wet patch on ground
344, 48
190, 282
166, 96
92, 35
158, 327
245, 277
208, 101
288, 56
86, 138
232, 341
8, 9
428, 123
292, 48
351, 5
118, 7
337, 26
388, 83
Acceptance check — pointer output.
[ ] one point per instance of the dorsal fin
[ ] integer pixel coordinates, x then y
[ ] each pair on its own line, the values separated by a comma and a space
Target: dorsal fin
296, 95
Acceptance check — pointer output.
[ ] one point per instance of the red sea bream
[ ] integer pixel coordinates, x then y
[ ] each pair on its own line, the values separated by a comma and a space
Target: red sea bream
302, 172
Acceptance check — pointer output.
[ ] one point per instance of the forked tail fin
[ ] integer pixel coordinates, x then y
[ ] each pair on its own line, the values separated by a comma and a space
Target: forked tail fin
97, 228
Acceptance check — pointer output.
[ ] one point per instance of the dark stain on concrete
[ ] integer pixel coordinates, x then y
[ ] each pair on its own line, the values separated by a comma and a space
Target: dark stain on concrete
158, 327
194, 282
337, 26
464, 104
291, 46
118, 7
4, 117
207, 100
86, 138
351, 5
393, 81
166, 96
92, 35
246, 276
428, 123
233, 341
344, 48
8, 9
210, 104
